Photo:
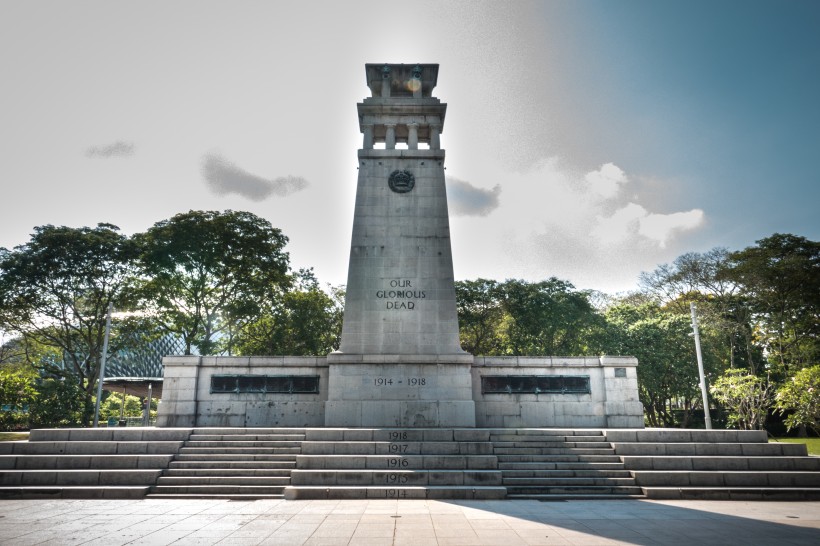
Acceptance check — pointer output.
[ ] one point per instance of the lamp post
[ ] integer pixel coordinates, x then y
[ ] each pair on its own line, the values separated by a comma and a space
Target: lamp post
707, 418
102, 364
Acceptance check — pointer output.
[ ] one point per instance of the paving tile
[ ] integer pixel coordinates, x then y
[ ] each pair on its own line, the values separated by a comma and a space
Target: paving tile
414, 522
533, 537
336, 528
494, 523
327, 541
507, 537
371, 530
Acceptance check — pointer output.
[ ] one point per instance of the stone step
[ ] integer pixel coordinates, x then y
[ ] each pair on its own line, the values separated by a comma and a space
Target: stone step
711, 449
223, 480
581, 466
59, 462
231, 464
401, 492
397, 435
79, 477
211, 490
246, 437
551, 451
397, 448
226, 472
552, 445
239, 450
81, 447
201, 495
648, 462
567, 481
667, 435
734, 493
572, 473
396, 478
116, 434
496, 438
684, 478
597, 490
390, 462
545, 432
236, 444
574, 496
222, 431
506, 458
74, 492
218, 457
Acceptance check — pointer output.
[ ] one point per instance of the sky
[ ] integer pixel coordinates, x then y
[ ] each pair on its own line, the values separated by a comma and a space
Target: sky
587, 140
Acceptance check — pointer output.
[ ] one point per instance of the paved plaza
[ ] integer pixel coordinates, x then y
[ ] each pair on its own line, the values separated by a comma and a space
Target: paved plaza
407, 522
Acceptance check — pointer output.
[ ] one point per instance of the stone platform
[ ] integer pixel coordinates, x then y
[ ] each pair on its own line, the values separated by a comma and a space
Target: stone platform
372, 463
444, 391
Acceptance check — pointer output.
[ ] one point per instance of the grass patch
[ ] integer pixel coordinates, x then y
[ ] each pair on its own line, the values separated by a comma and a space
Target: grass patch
12, 436
812, 444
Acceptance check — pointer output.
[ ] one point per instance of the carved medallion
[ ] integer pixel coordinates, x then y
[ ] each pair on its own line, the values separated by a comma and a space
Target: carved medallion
401, 181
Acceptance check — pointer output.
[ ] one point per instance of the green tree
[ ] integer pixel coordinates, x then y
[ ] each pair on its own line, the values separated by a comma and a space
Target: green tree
208, 272
667, 366
723, 313
59, 401
12, 351
16, 394
780, 276
549, 318
747, 398
302, 321
112, 406
55, 291
480, 316
799, 399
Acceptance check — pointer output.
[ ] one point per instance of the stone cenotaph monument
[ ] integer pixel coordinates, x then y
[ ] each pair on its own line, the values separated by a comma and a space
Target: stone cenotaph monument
400, 362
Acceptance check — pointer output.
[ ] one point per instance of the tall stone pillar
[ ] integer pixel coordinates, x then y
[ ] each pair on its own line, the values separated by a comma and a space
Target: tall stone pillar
400, 362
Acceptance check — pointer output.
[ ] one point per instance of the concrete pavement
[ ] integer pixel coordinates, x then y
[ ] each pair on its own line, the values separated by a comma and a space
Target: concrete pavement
406, 522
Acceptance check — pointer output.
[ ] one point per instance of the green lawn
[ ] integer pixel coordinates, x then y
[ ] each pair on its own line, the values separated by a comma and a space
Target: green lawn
11, 436
813, 444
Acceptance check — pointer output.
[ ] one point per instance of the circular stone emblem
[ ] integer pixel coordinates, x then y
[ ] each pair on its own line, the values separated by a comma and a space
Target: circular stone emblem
401, 181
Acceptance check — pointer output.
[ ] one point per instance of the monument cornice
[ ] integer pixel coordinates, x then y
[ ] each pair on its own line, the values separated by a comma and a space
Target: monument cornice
349, 358
401, 154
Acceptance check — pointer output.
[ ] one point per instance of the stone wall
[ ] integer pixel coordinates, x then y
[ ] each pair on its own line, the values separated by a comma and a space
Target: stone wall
612, 401
188, 401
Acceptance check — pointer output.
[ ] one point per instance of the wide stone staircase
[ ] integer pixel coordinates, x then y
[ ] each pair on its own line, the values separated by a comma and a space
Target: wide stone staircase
237, 463
716, 464
551, 464
311, 463
396, 463
87, 463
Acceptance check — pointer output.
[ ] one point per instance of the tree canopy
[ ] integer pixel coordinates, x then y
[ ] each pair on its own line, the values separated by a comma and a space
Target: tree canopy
55, 291
220, 282
208, 271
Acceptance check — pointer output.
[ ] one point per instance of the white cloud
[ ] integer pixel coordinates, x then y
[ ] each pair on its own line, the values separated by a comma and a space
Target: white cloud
464, 199
224, 177
621, 225
589, 228
661, 227
606, 182
119, 148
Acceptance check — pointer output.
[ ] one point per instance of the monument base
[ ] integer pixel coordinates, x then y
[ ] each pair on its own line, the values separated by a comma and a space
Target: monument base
413, 391
399, 391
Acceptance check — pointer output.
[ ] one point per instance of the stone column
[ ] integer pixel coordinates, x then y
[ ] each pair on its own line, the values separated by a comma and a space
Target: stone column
390, 136
413, 136
435, 132
368, 136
